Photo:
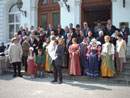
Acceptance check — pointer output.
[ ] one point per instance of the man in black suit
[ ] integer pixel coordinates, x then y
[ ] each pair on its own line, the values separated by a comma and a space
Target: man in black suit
109, 30
66, 31
2, 47
57, 63
71, 27
20, 30
20, 39
50, 28
73, 35
68, 42
80, 39
113, 28
32, 40
124, 28
86, 29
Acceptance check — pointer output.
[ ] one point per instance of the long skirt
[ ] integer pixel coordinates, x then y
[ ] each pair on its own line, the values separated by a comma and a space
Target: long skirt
48, 65
31, 67
107, 67
74, 65
92, 67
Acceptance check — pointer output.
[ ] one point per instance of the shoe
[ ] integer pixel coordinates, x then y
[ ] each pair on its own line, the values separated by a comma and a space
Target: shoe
60, 82
54, 81
20, 75
15, 75
42, 76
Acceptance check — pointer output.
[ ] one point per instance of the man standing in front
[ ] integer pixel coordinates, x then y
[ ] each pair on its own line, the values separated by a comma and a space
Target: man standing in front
15, 56
57, 63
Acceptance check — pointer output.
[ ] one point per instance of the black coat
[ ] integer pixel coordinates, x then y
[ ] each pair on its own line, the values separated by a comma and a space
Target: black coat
101, 39
80, 39
60, 53
49, 32
39, 45
109, 32
126, 30
2, 48
32, 43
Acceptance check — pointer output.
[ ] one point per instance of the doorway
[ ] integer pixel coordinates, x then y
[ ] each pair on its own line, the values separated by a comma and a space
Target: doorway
48, 13
94, 10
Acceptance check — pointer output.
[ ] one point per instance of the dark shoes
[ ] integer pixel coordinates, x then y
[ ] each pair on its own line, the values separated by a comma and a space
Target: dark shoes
54, 81
20, 75
15, 75
60, 82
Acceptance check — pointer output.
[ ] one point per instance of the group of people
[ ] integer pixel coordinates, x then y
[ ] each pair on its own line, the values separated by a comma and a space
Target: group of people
86, 51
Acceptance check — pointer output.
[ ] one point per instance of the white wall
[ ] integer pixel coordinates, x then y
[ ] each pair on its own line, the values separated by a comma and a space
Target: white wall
120, 14
31, 7
74, 16
25, 21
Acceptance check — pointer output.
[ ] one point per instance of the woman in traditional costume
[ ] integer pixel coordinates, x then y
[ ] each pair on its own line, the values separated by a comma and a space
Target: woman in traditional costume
107, 66
74, 61
93, 55
83, 51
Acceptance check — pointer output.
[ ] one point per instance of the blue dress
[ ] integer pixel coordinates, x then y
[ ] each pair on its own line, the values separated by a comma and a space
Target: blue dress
93, 66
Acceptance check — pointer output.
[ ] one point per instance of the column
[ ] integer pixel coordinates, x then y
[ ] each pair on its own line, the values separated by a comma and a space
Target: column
34, 13
74, 16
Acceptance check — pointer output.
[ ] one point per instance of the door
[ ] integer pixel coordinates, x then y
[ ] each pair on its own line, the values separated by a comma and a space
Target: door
93, 10
48, 13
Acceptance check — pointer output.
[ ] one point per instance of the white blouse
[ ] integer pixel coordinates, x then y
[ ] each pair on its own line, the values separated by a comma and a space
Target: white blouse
105, 49
30, 57
118, 45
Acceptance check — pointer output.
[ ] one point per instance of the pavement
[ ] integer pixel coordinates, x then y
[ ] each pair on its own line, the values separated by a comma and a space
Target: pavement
42, 88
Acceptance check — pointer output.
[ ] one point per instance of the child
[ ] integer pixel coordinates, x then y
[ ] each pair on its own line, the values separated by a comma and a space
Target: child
39, 63
31, 63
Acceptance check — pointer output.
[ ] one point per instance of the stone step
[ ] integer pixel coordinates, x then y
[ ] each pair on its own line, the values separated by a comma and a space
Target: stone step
125, 73
126, 67
117, 79
124, 77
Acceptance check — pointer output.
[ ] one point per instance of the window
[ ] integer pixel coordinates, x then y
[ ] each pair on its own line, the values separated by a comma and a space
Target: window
14, 20
44, 21
44, 1
55, 19
55, 1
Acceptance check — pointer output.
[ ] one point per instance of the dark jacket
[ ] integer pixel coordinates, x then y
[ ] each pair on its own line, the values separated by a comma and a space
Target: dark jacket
32, 43
101, 39
60, 53
109, 32
2, 48
80, 39
49, 32
125, 30
38, 46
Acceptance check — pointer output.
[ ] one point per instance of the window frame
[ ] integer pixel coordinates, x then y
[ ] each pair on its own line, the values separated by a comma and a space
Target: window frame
14, 23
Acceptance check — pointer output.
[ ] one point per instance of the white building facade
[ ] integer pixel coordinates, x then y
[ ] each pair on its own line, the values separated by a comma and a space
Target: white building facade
11, 18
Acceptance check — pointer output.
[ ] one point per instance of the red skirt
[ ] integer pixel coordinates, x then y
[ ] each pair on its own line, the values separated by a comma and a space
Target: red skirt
74, 65
39, 67
31, 67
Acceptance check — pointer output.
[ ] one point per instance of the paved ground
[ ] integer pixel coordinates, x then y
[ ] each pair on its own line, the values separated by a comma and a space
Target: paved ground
42, 88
